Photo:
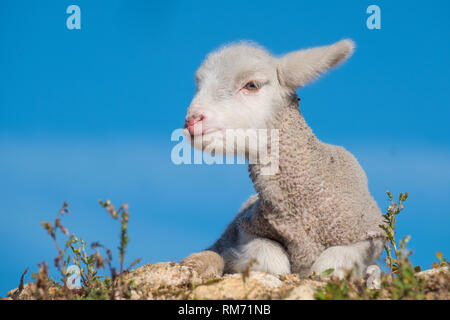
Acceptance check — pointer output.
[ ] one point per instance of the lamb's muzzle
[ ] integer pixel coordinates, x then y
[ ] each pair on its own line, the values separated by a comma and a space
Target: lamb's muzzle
194, 125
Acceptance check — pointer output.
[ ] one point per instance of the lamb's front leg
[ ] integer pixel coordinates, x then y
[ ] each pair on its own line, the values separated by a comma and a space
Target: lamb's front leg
208, 264
342, 259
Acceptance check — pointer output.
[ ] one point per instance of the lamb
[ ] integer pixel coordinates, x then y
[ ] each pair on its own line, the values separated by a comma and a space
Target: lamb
316, 212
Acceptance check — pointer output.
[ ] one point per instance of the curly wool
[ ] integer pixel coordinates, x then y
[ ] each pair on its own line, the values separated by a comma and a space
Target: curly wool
318, 199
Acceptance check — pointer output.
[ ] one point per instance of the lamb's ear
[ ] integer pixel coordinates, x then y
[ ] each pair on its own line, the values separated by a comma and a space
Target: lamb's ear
300, 67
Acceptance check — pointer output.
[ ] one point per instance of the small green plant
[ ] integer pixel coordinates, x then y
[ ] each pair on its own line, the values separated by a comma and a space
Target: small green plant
122, 215
93, 285
42, 277
394, 251
335, 289
442, 262
345, 289
327, 272
401, 283
405, 284
246, 272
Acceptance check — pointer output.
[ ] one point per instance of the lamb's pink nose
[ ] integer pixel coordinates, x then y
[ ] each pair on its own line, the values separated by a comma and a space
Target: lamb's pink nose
194, 125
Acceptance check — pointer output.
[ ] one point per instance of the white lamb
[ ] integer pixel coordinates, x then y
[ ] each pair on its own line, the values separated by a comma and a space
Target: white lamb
316, 213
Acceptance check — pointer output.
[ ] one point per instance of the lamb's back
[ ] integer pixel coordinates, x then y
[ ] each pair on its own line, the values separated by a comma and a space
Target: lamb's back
346, 210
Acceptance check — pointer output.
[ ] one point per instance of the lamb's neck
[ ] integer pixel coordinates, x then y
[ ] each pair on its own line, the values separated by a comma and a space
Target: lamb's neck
298, 146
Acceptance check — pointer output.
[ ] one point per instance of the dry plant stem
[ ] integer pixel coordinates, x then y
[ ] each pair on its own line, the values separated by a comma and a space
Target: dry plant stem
389, 227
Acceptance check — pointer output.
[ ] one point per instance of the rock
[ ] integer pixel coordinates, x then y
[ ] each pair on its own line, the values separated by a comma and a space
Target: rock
232, 288
174, 281
266, 279
161, 281
163, 275
25, 294
30, 291
432, 272
258, 285
303, 292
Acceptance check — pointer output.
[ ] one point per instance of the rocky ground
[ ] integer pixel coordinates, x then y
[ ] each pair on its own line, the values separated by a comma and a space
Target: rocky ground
172, 281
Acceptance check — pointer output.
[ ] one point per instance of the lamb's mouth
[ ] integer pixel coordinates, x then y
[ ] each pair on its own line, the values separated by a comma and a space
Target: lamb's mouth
205, 134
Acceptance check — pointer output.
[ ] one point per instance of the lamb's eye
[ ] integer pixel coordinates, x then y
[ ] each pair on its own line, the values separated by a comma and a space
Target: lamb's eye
252, 86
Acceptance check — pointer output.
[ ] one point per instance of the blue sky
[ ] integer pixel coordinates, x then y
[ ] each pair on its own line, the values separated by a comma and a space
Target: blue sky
87, 114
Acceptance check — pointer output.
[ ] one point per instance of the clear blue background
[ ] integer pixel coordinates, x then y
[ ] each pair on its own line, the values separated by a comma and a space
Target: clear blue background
87, 114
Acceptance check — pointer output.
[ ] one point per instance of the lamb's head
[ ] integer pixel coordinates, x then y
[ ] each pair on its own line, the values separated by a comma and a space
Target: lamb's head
241, 86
